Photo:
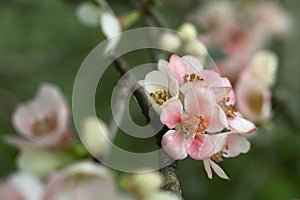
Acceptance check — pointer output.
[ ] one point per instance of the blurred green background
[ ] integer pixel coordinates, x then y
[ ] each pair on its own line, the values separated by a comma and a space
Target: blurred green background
42, 41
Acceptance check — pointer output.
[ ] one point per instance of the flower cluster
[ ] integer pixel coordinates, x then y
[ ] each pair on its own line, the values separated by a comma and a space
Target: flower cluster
198, 106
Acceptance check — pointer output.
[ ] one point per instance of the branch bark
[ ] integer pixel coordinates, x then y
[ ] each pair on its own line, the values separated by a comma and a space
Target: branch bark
169, 173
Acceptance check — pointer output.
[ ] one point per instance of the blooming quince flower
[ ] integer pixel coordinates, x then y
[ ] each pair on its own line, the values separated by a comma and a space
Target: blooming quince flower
201, 115
160, 87
82, 180
43, 121
21, 186
229, 144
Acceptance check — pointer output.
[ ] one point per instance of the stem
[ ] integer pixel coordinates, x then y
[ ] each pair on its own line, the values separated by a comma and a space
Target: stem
146, 9
169, 173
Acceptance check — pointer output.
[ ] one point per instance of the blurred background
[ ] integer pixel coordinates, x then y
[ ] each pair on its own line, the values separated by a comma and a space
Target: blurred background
43, 41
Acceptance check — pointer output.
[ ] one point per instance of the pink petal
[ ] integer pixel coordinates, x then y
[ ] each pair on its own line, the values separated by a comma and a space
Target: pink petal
201, 147
219, 141
207, 168
193, 64
218, 120
200, 101
253, 98
174, 144
178, 68
242, 125
171, 113
218, 170
237, 144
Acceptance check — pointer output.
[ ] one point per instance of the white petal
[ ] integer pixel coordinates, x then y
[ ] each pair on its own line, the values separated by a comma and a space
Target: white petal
218, 170
111, 28
207, 168
156, 80
110, 24
242, 125
237, 144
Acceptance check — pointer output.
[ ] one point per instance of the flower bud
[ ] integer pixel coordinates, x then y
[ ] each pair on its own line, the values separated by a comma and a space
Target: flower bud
88, 14
169, 41
197, 49
94, 136
188, 30
143, 184
263, 66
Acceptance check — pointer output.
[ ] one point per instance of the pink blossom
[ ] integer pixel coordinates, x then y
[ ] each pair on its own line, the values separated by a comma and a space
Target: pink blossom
21, 186
201, 115
229, 144
253, 97
82, 180
188, 71
42, 121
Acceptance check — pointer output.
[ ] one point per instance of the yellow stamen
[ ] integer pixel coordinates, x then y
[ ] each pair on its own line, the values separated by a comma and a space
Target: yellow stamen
217, 157
191, 77
160, 96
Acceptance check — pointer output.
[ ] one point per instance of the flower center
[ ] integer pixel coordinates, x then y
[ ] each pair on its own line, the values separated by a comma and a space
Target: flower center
229, 110
41, 127
192, 125
160, 96
192, 77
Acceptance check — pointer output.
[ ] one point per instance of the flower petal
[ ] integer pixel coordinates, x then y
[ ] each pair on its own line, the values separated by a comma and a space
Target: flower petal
174, 144
155, 80
207, 168
219, 141
199, 101
177, 68
237, 144
193, 64
171, 113
201, 147
242, 125
218, 120
218, 170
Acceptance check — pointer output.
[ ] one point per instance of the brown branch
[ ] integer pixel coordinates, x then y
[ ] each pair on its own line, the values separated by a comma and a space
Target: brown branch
169, 173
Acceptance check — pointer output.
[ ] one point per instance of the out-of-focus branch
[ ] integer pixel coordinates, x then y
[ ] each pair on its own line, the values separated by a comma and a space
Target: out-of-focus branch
151, 15
170, 173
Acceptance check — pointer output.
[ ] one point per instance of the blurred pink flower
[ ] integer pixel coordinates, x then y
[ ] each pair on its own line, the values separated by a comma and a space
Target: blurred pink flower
201, 115
43, 121
21, 186
82, 180
253, 97
271, 18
